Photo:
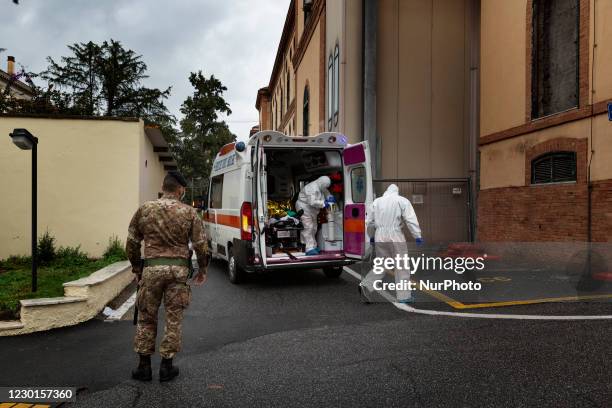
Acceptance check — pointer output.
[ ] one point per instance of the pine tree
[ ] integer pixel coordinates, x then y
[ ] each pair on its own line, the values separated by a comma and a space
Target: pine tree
202, 133
107, 79
80, 75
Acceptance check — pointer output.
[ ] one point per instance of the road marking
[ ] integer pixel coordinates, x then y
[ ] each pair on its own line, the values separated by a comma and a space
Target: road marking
122, 310
21, 405
491, 279
412, 309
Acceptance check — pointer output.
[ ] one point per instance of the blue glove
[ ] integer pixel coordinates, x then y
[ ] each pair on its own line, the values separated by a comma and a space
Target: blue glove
325, 204
331, 199
419, 241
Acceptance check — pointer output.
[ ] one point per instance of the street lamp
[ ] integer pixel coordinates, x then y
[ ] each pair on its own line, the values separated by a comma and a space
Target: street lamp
26, 141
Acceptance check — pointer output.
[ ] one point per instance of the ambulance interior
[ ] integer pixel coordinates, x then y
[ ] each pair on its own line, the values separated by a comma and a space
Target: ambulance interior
287, 172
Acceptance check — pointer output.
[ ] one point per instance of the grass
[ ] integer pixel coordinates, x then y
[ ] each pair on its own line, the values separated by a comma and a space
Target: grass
16, 284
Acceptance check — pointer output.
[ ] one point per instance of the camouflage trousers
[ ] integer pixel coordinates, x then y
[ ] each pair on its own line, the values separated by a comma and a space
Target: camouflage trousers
167, 283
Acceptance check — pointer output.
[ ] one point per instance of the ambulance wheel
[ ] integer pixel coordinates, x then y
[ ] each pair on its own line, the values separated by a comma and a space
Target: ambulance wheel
333, 273
236, 275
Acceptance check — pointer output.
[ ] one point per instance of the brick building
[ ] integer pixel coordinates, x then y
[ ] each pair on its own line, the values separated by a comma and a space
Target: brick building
546, 143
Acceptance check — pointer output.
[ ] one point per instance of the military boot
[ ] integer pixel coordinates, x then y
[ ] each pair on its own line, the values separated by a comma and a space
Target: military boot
167, 371
143, 371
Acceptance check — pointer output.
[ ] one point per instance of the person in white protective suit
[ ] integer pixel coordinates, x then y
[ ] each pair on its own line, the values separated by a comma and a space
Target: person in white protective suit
386, 217
314, 196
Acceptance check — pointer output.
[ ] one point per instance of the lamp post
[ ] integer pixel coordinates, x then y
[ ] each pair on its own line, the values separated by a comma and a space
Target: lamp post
26, 141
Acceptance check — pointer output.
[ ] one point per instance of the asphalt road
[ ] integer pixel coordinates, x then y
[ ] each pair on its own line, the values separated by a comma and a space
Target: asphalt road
300, 339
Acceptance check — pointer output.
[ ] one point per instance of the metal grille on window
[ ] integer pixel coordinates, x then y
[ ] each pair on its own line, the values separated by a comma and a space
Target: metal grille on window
556, 167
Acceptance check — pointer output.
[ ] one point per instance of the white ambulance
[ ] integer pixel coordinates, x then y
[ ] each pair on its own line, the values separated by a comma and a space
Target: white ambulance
251, 220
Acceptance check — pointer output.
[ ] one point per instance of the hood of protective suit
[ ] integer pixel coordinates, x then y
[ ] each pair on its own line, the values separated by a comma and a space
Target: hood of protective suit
392, 189
323, 182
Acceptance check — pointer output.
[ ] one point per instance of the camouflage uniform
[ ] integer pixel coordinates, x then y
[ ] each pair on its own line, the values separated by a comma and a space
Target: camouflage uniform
166, 225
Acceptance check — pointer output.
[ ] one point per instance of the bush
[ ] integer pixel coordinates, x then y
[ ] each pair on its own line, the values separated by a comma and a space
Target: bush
15, 262
46, 249
115, 249
71, 256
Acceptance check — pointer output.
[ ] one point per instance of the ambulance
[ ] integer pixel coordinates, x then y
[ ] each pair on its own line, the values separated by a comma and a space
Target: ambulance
251, 220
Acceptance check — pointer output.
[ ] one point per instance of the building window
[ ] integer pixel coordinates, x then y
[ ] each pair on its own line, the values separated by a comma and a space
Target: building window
555, 56
330, 91
333, 88
307, 10
274, 114
555, 167
336, 100
288, 87
305, 112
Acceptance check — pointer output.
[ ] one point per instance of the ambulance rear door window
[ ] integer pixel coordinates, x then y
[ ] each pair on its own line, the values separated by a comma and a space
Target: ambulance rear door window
358, 185
216, 191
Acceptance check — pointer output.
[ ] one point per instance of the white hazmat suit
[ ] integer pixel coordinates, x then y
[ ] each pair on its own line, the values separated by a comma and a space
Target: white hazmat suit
386, 217
311, 199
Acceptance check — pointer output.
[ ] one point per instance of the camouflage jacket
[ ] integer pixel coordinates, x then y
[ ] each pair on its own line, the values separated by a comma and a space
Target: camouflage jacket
166, 226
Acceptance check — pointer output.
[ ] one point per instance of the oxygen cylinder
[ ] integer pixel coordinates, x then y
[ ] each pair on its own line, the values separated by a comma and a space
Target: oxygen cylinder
331, 223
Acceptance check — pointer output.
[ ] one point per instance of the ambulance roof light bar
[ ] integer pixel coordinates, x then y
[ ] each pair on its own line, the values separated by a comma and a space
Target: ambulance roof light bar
277, 138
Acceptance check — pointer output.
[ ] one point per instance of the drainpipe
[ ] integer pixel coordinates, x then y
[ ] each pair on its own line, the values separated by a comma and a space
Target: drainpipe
370, 29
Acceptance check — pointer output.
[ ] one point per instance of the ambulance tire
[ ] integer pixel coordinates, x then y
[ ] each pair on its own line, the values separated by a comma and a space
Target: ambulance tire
333, 272
235, 274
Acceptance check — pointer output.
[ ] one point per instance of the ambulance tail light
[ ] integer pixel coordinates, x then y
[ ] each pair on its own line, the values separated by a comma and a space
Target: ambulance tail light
246, 217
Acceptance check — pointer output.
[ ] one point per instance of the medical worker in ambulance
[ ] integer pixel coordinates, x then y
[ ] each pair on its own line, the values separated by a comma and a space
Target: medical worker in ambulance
314, 196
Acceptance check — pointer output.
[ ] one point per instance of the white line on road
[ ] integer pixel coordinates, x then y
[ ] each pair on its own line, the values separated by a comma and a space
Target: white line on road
122, 310
411, 309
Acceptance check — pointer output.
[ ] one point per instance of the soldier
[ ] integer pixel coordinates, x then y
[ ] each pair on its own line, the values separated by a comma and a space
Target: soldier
166, 225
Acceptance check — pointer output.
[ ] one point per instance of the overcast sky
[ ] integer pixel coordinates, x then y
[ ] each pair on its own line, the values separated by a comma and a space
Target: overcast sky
236, 40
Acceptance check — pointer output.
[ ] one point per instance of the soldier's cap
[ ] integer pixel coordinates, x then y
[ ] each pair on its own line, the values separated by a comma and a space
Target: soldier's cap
178, 177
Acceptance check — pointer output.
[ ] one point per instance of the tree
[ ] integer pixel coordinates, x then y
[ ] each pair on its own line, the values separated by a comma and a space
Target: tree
202, 133
80, 74
106, 80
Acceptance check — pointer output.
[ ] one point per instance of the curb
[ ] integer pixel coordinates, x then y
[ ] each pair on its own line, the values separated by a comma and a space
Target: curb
83, 299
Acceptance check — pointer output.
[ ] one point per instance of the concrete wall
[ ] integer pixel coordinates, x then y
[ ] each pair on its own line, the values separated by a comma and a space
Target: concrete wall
423, 87
91, 179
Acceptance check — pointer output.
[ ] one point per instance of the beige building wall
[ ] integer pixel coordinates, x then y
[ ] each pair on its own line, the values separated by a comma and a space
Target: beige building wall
151, 170
308, 73
344, 27
90, 181
423, 87
503, 58
601, 16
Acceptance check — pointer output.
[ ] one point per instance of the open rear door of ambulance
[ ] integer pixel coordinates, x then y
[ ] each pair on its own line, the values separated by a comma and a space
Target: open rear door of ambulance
358, 198
260, 201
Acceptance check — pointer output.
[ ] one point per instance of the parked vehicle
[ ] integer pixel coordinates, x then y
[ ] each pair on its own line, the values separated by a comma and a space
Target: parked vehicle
251, 219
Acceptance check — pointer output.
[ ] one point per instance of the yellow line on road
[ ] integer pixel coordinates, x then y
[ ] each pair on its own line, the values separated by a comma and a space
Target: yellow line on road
458, 305
440, 296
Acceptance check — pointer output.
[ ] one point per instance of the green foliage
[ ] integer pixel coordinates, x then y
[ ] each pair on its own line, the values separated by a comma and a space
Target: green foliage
95, 79
115, 249
46, 249
16, 283
105, 79
70, 256
202, 133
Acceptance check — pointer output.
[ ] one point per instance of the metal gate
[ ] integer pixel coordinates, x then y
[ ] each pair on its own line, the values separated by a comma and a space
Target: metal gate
443, 206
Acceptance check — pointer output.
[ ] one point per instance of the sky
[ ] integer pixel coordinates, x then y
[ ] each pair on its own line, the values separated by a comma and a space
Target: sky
236, 40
